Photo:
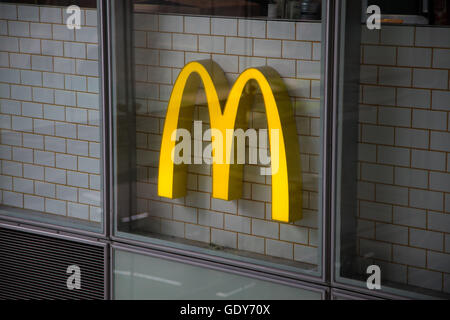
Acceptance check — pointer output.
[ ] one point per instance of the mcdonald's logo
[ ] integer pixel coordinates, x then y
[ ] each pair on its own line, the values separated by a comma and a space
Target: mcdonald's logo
227, 111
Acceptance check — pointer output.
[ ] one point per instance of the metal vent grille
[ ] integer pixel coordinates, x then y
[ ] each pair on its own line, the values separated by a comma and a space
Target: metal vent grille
33, 266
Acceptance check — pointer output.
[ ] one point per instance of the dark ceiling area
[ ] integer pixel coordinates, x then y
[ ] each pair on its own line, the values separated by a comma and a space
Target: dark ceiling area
80, 3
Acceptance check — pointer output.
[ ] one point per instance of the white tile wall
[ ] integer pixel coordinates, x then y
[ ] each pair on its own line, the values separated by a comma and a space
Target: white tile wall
404, 150
235, 44
51, 64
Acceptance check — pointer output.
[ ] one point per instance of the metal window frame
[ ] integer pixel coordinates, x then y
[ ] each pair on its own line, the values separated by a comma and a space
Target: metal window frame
324, 277
333, 86
326, 282
334, 58
104, 93
349, 295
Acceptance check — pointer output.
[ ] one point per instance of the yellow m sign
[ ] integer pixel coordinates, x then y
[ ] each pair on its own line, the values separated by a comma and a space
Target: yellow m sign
227, 112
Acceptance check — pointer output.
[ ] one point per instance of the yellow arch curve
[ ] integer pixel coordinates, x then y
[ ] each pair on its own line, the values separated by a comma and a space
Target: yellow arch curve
227, 178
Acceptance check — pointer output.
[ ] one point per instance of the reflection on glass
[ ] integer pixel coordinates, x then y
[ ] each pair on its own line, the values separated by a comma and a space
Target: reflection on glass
416, 12
394, 212
142, 277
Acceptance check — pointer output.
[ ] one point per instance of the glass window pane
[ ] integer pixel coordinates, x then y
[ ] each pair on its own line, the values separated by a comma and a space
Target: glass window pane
50, 113
393, 174
137, 276
201, 207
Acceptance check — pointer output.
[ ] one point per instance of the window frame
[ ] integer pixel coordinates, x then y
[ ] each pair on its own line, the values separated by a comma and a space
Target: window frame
326, 73
327, 281
72, 227
340, 57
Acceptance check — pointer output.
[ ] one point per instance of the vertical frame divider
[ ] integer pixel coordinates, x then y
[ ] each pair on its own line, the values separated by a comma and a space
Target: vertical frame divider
104, 26
330, 16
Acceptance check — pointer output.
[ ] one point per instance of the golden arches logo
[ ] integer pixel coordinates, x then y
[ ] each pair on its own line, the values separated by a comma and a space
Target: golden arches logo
227, 111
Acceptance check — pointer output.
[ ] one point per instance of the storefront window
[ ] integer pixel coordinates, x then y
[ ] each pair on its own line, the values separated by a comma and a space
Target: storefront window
393, 191
194, 205
50, 143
